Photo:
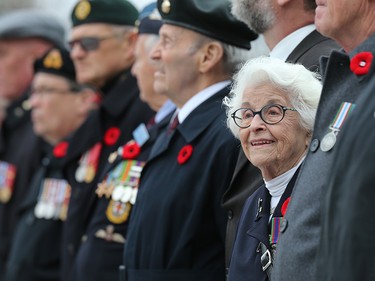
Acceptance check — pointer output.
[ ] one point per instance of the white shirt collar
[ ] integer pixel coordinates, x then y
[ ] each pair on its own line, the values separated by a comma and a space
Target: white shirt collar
286, 46
199, 98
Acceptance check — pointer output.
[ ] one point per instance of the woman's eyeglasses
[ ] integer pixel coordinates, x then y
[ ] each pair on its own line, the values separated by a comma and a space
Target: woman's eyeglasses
270, 114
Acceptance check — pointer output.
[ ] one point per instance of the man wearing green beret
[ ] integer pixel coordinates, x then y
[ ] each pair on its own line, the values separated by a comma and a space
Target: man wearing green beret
59, 106
177, 228
102, 44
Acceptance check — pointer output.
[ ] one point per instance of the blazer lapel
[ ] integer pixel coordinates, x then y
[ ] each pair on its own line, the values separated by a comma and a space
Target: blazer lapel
306, 44
259, 230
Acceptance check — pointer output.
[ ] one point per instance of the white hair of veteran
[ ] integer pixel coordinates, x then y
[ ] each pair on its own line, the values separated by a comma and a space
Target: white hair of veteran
301, 86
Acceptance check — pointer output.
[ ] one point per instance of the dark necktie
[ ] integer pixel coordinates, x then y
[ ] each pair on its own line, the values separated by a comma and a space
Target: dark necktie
173, 125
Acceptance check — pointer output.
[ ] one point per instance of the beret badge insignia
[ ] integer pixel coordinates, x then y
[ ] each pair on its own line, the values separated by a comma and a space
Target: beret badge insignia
166, 6
53, 60
82, 10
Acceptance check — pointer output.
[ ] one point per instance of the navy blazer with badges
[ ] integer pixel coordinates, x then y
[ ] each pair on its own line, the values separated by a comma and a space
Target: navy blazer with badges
246, 177
253, 229
106, 232
21, 149
177, 229
297, 257
121, 109
36, 249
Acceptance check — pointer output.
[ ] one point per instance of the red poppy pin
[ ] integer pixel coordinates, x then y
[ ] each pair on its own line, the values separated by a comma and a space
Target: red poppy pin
60, 149
111, 136
361, 63
284, 207
131, 150
184, 154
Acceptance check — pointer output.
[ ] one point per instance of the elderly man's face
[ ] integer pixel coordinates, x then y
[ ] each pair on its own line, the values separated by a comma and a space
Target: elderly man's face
56, 110
340, 18
144, 69
16, 68
97, 66
277, 148
177, 54
257, 14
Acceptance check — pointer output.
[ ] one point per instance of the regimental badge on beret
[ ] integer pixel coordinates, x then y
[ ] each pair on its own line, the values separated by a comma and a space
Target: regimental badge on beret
166, 6
53, 60
82, 10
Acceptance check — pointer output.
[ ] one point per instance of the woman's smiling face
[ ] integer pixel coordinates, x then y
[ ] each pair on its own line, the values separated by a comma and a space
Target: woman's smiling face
276, 148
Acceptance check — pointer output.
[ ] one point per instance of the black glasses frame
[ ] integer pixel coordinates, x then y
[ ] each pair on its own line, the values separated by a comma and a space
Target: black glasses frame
238, 120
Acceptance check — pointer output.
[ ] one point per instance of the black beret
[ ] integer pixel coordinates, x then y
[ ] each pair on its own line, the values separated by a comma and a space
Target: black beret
30, 23
119, 12
211, 18
149, 21
56, 61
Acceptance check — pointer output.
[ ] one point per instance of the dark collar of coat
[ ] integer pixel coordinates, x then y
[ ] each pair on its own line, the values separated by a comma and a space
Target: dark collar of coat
201, 117
119, 94
195, 124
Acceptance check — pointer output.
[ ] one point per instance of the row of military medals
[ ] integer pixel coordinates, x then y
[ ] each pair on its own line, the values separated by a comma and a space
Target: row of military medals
53, 199
121, 183
121, 186
329, 140
7, 178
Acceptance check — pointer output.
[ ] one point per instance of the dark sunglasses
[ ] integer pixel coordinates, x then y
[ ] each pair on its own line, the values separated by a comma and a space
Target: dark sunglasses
89, 43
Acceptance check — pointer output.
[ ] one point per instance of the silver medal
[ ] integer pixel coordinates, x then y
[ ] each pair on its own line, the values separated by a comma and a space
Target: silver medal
127, 194
49, 210
80, 173
134, 196
117, 193
38, 211
328, 142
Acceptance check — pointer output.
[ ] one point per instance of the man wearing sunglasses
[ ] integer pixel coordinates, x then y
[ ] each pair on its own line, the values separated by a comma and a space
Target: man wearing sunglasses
102, 45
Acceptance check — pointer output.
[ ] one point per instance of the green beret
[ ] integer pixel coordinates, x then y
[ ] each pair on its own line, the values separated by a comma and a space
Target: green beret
211, 18
119, 12
56, 61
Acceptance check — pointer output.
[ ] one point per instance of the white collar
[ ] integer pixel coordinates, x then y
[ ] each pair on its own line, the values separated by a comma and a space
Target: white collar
199, 98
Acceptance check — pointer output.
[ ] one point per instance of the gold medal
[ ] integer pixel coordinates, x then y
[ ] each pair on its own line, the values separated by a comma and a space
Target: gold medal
118, 212
112, 157
5, 195
90, 173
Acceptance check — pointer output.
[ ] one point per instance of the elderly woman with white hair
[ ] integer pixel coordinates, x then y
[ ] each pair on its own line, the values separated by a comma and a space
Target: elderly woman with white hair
271, 109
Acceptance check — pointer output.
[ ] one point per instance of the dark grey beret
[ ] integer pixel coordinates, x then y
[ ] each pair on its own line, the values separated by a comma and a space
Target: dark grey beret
32, 23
